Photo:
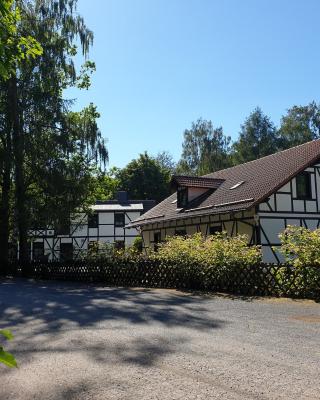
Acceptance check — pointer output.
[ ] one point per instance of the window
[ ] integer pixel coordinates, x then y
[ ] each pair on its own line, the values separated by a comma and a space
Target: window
119, 220
66, 251
93, 220
304, 186
38, 251
215, 229
156, 240
63, 228
119, 244
180, 232
182, 197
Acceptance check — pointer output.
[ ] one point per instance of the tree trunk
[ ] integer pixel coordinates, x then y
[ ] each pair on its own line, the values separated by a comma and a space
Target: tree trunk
5, 202
18, 156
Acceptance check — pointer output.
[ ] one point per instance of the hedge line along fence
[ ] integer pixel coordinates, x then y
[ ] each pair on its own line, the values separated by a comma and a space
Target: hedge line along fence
258, 280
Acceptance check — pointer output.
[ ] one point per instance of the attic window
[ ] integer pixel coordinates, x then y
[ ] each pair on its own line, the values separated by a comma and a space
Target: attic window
182, 197
237, 185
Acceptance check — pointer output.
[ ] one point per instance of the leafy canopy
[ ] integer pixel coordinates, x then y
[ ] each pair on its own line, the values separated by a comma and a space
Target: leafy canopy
14, 47
205, 149
145, 178
300, 125
258, 138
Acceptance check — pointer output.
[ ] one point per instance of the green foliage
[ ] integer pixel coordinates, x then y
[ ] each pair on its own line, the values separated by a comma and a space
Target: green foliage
219, 249
49, 155
209, 259
137, 244
258, 138
205, 149
301, 124
166, 162
99, 251
300, 246
14, 46
5, 357
145, 178
105, 184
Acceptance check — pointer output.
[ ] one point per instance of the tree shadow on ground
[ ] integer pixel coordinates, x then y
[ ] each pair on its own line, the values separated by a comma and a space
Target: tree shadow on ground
39, 312
54, 303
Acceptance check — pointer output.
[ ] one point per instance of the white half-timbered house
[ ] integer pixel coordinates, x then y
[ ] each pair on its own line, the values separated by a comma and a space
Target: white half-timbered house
259, 198
106, 224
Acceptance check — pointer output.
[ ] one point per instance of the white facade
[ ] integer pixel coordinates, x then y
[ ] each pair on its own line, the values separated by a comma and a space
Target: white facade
106, 224
262, 224
284, 208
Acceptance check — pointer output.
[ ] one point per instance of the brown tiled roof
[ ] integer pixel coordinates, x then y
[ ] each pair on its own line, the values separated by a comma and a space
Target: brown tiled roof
259, 179
196, 181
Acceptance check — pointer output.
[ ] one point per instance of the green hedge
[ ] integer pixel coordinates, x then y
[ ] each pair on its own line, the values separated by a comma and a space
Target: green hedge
216, 263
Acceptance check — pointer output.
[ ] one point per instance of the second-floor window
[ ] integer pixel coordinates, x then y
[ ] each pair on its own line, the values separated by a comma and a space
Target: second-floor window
63, 228
304, 186
119, 220
93, 220
182, 197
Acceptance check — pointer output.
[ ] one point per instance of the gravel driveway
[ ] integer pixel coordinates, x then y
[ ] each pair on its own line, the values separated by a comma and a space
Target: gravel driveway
75, 341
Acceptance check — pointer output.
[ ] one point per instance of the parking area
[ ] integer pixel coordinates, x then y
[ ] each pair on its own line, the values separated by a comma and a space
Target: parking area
77, 341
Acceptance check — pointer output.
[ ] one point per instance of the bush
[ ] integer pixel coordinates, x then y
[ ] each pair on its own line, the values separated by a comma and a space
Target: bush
300, 246
211, 260
137, 244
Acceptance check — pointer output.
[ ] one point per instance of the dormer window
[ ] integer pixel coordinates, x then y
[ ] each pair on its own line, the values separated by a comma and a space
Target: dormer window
182, 197
189, 188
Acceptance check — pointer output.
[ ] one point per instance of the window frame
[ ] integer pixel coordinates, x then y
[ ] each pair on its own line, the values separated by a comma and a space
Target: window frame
156, 240
180, 232
182, 196
36, 254
123, 223
308, 190
216, 228
63, 228
93, 218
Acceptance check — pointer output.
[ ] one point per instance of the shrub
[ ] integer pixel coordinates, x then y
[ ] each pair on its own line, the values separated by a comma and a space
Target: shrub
98, 251
137, 244
212, 260
300, 246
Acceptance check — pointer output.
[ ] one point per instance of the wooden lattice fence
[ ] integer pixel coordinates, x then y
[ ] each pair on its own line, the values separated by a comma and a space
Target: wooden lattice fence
262, 279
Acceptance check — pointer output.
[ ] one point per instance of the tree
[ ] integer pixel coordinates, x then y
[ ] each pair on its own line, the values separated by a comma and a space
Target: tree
165, 160
13, 46
300, 125
205, 149
258, 138
52, 150
145, 178
105, 184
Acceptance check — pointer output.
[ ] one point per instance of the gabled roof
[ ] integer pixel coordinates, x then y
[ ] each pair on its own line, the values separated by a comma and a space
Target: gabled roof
196, 181
244, 186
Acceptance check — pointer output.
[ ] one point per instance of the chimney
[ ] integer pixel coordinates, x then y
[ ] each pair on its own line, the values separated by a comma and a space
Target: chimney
122, 196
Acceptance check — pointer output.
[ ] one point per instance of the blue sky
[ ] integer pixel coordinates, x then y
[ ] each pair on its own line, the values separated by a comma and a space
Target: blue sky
162, 64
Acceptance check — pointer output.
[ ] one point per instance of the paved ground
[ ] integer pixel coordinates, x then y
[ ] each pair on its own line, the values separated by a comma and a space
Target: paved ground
81, 342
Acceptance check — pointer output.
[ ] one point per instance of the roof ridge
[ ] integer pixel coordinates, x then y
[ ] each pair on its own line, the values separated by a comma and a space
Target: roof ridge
261, 158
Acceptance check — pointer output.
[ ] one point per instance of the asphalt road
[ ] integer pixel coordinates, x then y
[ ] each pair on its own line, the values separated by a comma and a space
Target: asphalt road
79, 342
